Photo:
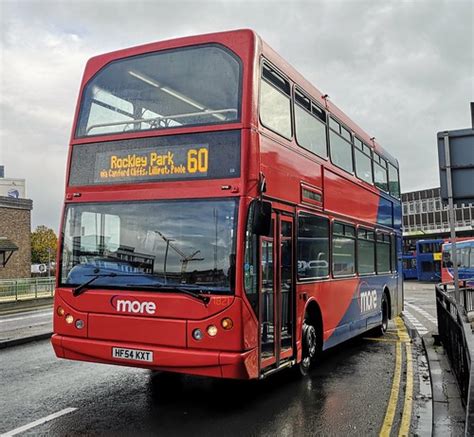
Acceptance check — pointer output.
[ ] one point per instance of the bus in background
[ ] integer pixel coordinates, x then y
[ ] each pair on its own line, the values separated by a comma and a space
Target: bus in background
409, 266
222, 217
465, 260
428, 259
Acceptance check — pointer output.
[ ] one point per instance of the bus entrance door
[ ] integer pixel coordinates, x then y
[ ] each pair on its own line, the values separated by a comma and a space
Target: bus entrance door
277, 294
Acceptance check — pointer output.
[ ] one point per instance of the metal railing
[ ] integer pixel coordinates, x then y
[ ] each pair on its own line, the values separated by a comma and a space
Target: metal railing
457, 338
12, 290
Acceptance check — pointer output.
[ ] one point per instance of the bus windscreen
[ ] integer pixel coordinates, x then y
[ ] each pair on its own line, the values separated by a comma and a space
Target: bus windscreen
153, 243
181, 87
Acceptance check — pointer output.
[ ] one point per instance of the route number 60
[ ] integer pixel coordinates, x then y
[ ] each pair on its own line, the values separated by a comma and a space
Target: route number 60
198, 160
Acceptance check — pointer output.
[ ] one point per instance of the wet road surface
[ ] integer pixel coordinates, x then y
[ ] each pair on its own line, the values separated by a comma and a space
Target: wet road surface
346, 394
25, 323
25, 319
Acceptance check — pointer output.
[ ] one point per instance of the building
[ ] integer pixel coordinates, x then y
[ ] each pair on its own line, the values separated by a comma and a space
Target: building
425, 216
15, 229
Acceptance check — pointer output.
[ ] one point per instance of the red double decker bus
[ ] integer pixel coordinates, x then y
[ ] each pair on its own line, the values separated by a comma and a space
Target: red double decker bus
222, 217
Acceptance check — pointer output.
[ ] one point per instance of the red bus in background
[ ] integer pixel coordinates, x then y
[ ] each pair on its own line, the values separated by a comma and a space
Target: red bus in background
465, 260
222, 217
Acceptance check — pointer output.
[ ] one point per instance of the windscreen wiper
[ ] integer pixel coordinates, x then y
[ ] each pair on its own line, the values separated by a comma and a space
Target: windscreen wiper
83, 287
196, 295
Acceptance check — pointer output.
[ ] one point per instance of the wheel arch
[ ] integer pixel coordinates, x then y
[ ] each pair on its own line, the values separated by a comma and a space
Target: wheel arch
386, 292
313, 313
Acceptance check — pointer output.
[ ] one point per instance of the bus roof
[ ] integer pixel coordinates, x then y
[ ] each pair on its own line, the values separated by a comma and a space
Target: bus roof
462, 243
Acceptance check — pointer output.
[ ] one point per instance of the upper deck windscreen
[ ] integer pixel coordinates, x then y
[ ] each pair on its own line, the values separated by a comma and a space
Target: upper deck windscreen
179, 87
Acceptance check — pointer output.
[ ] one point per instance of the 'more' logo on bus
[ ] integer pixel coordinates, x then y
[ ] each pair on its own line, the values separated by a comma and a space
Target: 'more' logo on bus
367, 299
122, 305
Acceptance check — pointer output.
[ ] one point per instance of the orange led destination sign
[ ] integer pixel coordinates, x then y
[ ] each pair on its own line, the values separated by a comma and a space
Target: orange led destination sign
204, 155
172, 162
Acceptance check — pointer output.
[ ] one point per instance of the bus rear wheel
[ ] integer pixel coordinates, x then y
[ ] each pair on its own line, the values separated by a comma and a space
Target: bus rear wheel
309, 340
382, 328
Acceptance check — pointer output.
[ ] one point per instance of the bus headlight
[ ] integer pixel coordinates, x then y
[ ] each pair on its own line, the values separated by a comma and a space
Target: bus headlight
79, 324
69, 319
212, 330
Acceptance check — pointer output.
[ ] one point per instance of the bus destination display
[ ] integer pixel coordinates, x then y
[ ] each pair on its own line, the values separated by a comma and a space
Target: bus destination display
212, 155
189, 161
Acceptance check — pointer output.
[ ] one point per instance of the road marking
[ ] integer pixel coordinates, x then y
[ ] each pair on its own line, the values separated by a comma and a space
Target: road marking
423, 312
393, 401
407, 406
13, 319
415, 322
38, 422
387, 340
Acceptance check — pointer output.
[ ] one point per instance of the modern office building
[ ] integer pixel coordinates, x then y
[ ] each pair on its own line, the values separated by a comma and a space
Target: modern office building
425, 217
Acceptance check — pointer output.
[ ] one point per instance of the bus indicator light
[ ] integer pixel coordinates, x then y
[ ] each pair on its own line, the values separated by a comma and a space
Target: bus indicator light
60, 311
227, 323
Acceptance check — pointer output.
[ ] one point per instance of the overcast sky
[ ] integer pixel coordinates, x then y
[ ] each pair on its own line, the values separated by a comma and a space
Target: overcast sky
403, 70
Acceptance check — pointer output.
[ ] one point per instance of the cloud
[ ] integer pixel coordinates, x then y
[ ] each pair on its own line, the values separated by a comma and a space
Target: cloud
403, 70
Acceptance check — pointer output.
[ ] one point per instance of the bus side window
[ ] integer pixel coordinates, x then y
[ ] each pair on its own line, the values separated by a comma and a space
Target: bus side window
383, 252
343, 249
366, 251
313, 246
275, 102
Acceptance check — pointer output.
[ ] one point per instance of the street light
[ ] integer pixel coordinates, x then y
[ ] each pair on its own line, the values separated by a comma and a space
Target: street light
49, 262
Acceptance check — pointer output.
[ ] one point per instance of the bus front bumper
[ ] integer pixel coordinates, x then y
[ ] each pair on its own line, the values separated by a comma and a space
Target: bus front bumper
236, 365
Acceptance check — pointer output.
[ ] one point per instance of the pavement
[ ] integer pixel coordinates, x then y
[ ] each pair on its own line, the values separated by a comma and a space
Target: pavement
420, 316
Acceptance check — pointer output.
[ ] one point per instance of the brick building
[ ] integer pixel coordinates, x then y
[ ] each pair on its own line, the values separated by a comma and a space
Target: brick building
15, 237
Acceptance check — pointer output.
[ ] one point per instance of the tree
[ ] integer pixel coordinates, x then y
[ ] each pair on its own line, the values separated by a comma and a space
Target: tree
42, 240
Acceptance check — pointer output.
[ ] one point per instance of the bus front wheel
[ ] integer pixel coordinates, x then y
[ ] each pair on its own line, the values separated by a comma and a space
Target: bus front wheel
309, 340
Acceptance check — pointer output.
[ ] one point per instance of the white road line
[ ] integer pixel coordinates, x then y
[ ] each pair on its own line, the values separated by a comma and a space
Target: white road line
424, 313
38, 422
33, 316
416, 323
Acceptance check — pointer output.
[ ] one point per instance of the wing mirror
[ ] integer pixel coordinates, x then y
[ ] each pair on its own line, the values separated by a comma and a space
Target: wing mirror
261, 218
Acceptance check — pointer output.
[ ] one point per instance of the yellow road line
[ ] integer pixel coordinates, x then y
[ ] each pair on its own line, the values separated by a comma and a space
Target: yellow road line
392, 403
387, 340
407, 407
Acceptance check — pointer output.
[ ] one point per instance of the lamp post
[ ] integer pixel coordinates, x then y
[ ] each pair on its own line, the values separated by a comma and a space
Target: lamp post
49, 262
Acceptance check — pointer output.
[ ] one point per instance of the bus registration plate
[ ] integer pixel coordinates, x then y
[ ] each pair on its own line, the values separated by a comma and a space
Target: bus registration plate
132, 354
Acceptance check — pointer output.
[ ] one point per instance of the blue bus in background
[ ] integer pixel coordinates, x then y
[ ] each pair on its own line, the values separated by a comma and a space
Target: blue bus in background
409, 266
428, 259
465, 259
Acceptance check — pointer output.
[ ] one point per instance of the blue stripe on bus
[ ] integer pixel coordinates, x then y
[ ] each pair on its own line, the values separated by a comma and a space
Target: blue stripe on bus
356, 321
